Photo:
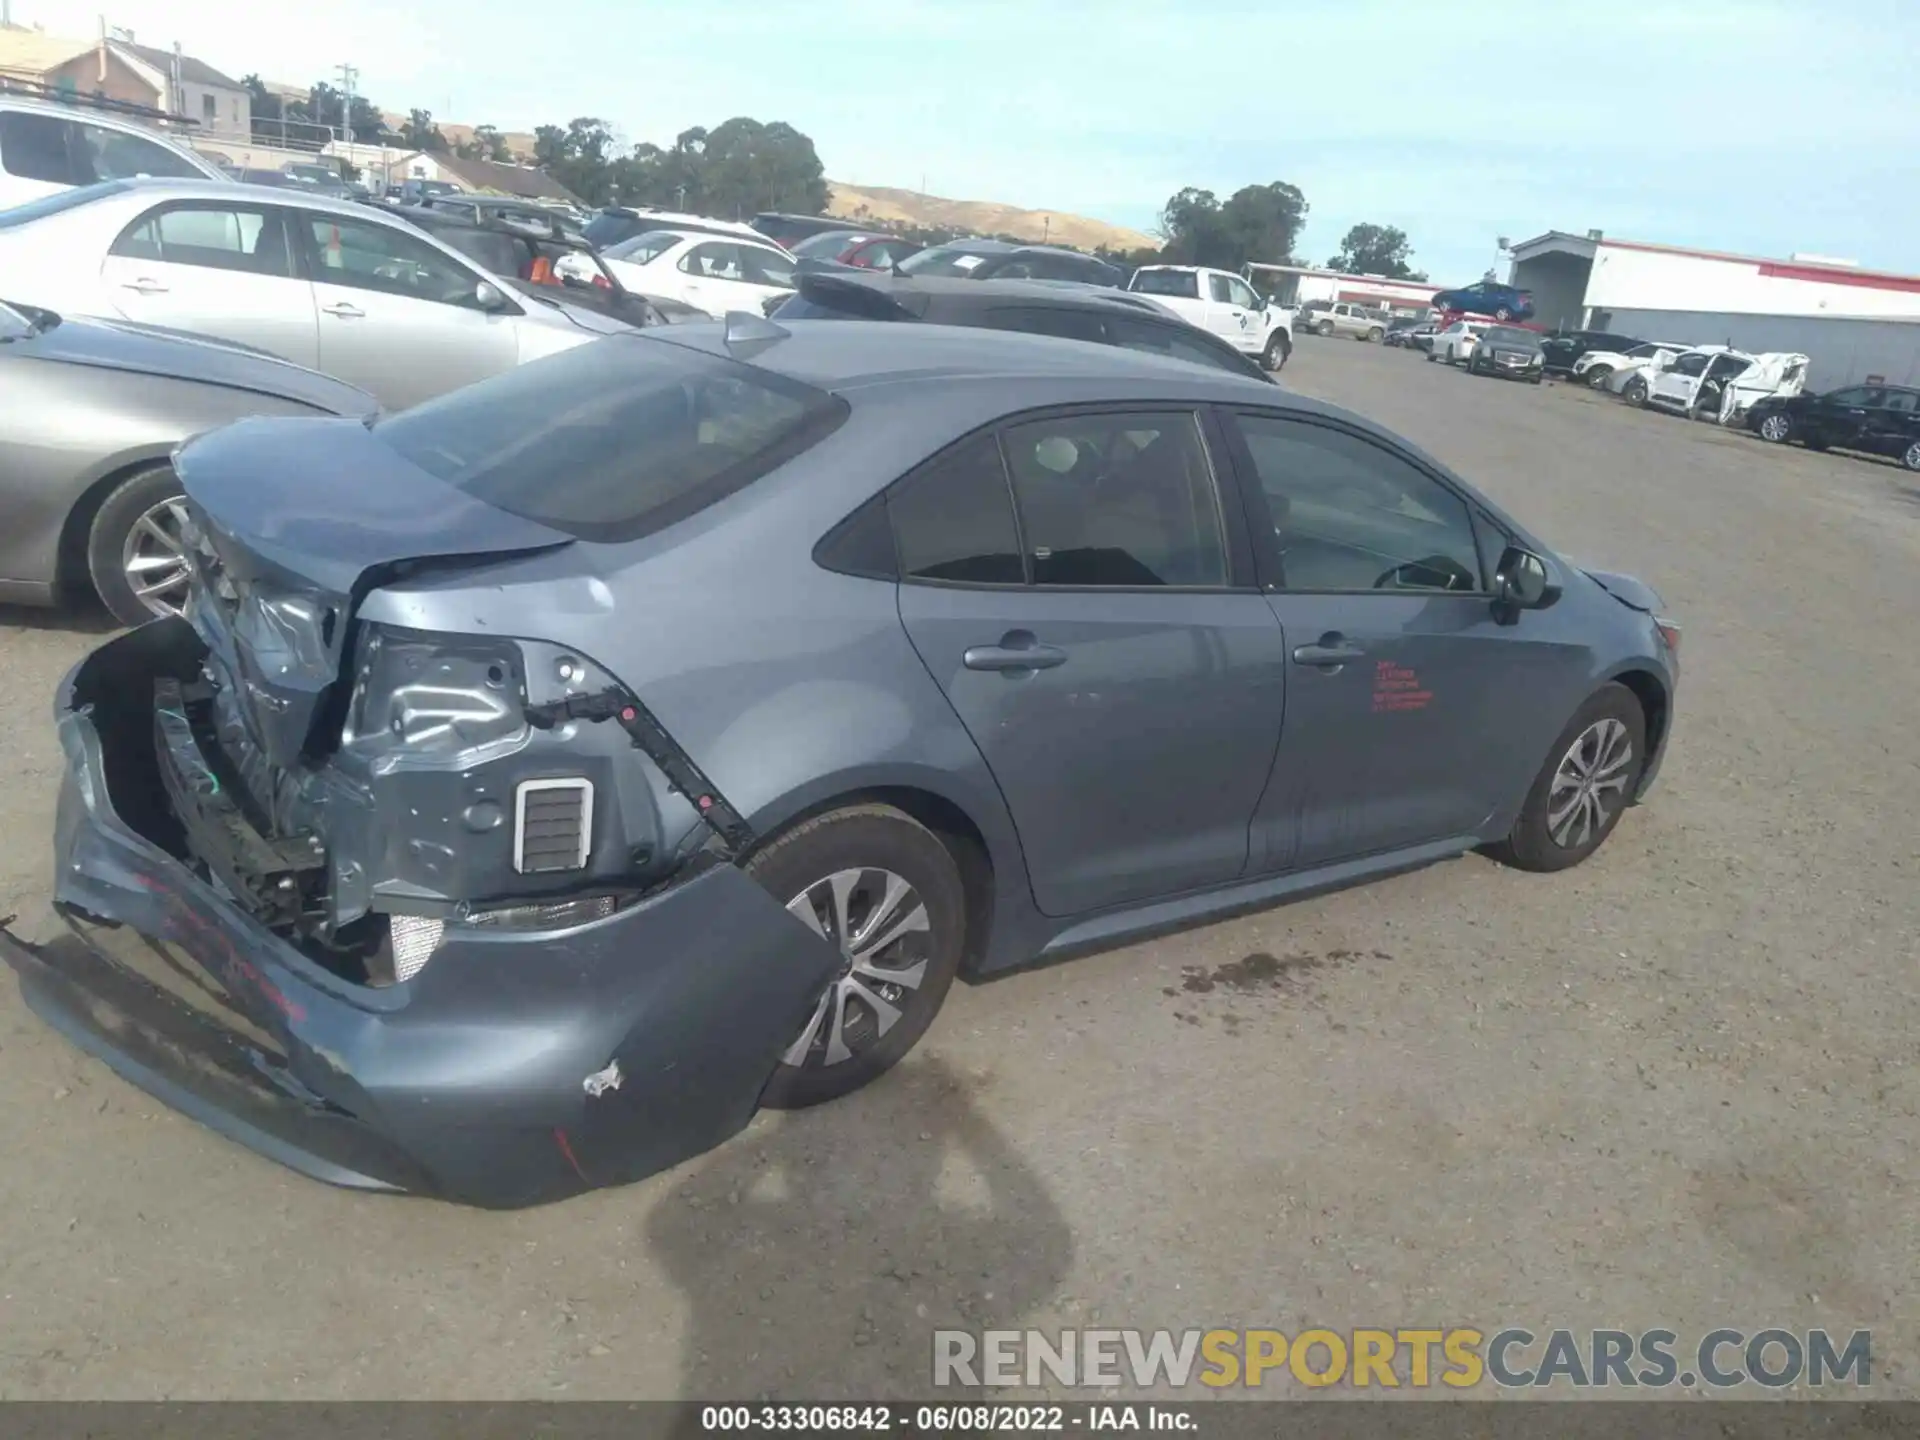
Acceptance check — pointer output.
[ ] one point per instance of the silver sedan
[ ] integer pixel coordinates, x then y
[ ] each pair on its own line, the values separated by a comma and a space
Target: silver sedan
332, 285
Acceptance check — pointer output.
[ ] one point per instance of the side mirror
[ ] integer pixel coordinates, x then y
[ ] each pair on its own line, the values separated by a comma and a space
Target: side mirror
488, 296
1520, 582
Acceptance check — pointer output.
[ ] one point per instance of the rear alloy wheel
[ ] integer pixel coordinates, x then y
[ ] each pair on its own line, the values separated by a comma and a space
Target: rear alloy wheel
136, 557
1911, 456
1777, 428
884, 890
1585, 786
1376, 335
1279, 350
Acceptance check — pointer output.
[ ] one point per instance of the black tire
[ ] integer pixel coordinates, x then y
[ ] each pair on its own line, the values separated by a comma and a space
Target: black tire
113, 525
1775, 429
1376, 335
1324, 328
1910, 457
1279, 350
1537, 379
1431, 357
868, 838
1636, 391
1502, 314
1597, 377
1531, 844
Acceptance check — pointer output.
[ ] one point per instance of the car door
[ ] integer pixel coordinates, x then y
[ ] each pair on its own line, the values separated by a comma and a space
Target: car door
219, 269
1676, 386
1841, 418
1249, 319
1078, 588
725, 275
1893, 425
398, 316
1412, 713
1224, 317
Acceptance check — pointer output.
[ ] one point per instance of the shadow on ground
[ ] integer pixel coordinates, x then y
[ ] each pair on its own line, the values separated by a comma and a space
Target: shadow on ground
818, 1257
74, 617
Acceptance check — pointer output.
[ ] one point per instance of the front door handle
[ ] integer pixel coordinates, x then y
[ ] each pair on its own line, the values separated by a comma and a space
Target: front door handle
344, 311
145, 286
1017, 650
1329, 652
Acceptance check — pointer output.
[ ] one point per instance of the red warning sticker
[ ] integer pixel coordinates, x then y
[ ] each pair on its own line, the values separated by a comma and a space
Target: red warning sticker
1397, 687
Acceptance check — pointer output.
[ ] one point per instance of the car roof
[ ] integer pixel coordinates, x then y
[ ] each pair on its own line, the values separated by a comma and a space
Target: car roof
952, 292
148, 190
846, 355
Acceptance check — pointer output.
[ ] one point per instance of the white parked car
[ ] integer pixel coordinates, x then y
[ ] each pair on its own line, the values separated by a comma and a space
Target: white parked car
337, 286
1599, 367
46, 148
1717, 382
1455, 343
1223, 304
714, 273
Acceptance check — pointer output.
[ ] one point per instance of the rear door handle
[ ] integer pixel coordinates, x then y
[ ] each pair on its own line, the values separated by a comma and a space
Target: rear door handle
344, 311
1329, 652
145, 286
1017, 650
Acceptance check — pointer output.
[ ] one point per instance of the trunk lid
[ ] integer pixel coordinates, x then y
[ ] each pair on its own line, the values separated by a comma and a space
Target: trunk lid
294, 521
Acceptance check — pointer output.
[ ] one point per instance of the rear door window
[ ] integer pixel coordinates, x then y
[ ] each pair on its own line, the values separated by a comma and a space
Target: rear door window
39, 147
615, 439
249, 239
1117, 501
1042, 320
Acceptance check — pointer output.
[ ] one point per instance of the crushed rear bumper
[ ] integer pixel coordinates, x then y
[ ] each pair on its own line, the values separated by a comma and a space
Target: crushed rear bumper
516, 1068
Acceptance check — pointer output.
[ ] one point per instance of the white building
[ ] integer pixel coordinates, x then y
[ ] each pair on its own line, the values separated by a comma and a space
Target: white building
1293, 285
1854, 323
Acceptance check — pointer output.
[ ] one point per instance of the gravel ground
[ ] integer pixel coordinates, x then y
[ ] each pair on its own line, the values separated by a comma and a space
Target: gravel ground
1675, 1087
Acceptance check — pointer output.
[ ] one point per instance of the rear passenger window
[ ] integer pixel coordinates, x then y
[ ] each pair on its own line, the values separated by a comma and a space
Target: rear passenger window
954, 520
1118, 500
1038, 320
213, 237
35, 147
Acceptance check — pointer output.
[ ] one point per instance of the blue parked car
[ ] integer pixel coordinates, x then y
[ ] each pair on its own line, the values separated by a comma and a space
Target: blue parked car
1503, 302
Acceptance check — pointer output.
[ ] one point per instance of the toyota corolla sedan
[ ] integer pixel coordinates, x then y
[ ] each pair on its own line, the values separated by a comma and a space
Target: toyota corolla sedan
543, 779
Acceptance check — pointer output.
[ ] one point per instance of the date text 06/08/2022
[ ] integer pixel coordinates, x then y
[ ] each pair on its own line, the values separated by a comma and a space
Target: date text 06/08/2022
944, 1419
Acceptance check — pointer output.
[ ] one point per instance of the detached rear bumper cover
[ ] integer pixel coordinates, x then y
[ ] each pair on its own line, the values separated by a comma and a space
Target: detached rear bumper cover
515, 1069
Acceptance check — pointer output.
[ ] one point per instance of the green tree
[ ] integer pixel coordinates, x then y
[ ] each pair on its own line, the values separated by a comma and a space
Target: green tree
486, 143
1376, 250
1257, 222
420, 133
746, 166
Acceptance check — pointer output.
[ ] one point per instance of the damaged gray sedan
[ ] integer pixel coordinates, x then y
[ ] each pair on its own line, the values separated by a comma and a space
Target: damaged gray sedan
543, 779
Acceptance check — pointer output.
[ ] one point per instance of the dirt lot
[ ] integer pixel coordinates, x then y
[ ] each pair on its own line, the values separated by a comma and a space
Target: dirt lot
1673, 1088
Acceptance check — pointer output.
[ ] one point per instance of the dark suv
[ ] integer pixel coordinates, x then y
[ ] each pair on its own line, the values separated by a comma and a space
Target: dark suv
1563, 349
1099, 316
1003, 260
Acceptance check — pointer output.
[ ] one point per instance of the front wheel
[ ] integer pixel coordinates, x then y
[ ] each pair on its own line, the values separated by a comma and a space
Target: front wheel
1776, 428
1323, 329
1597, 377
136, 557
1636, 392
1503, 314
1376, 335
1585, 786
885, 891
1279, 350
1910, 457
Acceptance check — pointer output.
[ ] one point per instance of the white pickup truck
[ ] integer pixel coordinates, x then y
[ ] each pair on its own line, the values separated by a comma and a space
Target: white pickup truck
1221, 302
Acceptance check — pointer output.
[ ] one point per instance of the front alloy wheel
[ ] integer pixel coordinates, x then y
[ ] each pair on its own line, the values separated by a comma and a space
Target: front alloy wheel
1776, 427
1583, 787
1911, 458
1590, 787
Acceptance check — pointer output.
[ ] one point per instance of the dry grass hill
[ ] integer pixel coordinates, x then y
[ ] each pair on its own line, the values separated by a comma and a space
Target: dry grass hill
879, 203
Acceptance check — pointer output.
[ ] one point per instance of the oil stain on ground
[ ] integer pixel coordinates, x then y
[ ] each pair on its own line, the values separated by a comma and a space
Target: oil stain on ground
1260, 974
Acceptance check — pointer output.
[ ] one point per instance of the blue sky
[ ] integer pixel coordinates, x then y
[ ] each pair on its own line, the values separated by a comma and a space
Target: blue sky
1765, 126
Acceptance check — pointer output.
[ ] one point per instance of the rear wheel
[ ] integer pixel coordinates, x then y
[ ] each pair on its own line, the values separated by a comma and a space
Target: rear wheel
1376, 335
885, 891
1279, 348
135, 555
1503, 313
1585, 786
1636, 391
1324, 328
1910, 457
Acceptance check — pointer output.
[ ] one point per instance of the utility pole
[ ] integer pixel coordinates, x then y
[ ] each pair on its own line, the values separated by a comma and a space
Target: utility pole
349, 78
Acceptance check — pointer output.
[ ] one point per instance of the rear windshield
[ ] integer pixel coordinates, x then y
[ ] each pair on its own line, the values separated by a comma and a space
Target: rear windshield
1181, 284
639, 249
944, 260
825, 246
613, 439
